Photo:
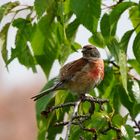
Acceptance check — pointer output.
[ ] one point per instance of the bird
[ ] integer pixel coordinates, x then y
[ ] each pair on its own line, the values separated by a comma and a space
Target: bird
81, 75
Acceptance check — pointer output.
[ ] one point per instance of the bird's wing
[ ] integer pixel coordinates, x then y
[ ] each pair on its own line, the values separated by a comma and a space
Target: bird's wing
66, 73
70, 69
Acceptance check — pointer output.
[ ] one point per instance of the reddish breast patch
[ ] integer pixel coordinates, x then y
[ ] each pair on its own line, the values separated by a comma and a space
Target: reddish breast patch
94, 73
97, 69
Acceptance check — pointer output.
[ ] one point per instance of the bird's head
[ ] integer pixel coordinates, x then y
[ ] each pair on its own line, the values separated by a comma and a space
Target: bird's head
90, 51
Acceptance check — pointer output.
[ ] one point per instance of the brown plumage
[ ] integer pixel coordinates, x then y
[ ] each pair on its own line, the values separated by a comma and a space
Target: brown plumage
80, 75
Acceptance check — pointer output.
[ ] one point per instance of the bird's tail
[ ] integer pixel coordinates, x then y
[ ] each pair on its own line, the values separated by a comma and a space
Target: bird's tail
47, 91
43, 93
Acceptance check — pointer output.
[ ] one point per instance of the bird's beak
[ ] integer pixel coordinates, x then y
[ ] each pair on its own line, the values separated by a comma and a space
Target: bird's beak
83, 50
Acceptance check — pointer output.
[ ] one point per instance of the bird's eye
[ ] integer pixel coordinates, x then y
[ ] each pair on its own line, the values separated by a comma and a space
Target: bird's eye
89, 48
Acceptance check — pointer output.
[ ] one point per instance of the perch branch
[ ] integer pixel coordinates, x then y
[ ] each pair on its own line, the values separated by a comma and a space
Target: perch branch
89, 98
83, 98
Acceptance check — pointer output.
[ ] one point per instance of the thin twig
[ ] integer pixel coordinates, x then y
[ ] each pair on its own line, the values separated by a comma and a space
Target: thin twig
92, 130
114, 64
137, 125
95, 100
50, 109
110, 126
81, 119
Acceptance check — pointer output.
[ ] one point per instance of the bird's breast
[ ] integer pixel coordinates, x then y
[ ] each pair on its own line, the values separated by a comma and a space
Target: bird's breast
96, 71
90, 76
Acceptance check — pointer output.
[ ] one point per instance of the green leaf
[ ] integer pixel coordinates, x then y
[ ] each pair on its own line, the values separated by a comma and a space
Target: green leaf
115, 100
123, 57
52, 6
53, 44
67, 7
84, 108
136, 110
136, 48
113, 46
108, 82
134, 63
125, 40
49, 44
138, 137
60, 12
48, 6
40, 6
132, 87
59, 116
75, 46
116, 12
21, 23
3, 40
123, 68
110, 135
72, 29
134, 15
125, 99
117, 120
99, 121
22, 50
88, 12
105, 26
52, 130
128, 132
136, 91
60, 99
6, 8
64, 52
37, 42
75, 132
97, 40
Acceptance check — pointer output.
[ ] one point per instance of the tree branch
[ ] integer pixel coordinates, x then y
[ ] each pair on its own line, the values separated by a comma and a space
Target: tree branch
137, 126
110, 126
50, 109
81, 118
76, 119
